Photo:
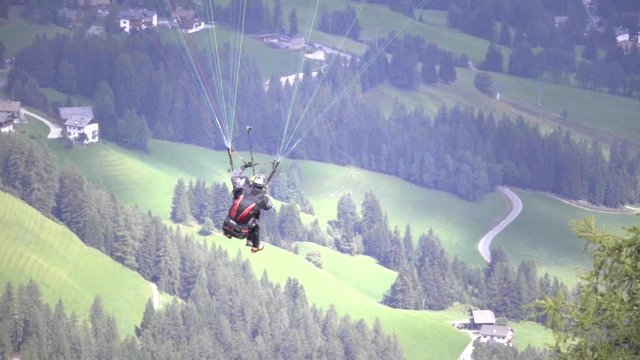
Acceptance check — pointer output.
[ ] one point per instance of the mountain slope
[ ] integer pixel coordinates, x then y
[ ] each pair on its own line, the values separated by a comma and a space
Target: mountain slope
33, 247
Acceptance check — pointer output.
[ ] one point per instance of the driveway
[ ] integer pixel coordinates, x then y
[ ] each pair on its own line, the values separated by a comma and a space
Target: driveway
55, 130
516, 207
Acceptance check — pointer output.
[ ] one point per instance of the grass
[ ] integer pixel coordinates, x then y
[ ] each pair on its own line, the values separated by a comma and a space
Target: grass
270, 61
148, 181
361, 273
17, 33
34, 128
33, 247
543, 233
528, 333
590, 114
355, 285
419, 332
376, 21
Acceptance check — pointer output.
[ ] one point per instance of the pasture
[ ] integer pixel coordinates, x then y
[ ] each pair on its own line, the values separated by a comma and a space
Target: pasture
17, 33
33, 247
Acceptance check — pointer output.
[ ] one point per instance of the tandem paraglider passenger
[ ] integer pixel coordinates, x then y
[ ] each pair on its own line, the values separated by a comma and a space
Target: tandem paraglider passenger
249, 199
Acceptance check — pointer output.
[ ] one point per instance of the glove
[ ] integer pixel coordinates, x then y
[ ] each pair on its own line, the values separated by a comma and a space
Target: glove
246, 165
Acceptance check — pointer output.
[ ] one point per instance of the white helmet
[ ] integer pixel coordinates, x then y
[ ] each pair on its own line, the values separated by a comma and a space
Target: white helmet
259, 180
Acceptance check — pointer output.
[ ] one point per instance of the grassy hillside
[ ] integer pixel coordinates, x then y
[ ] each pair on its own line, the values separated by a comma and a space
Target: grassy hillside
35, 247
148, 180
543, 233
590, 114
355, 285
17, 33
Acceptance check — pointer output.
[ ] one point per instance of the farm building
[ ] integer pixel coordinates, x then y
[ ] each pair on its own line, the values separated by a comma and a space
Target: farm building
498, 334
79, 121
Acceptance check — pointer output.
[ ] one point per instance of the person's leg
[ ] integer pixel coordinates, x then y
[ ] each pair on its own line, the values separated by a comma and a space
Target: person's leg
254, 237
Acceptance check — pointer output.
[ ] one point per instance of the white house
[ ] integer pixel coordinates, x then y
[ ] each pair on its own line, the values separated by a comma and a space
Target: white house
11, 107
494, 333
6, 122
9, 113
138, 19
188, 20
80, 120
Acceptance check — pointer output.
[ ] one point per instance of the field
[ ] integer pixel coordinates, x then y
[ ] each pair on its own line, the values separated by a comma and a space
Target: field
590, 114
543, 233
419, 332
355, 285
17, 33
148, 180
33, 247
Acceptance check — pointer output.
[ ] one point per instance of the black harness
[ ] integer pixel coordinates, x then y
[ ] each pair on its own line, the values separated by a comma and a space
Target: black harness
243, 215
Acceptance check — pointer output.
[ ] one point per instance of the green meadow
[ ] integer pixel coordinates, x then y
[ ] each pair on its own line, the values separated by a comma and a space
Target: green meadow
590, 114
419, 332
17, 33
33, 247
148, 179
543, 233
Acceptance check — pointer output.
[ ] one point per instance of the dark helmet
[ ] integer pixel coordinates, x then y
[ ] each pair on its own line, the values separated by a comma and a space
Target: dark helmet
259, 181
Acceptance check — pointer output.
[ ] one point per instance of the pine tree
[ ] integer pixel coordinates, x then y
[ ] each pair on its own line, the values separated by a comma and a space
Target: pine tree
492, 59
133, 131
504, 38
406, 291
180, 207
446, 71
428, 73
597, 325
293, 22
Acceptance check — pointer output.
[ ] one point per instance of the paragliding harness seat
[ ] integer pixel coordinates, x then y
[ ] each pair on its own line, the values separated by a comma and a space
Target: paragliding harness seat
242, 218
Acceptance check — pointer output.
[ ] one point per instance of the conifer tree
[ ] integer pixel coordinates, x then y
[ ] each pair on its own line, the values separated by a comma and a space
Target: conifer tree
180, 207
446, 71
599, 323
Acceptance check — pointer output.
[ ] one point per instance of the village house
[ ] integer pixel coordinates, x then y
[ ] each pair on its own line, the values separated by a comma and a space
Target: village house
138, 19
480, 318
6, 122
11, 107
498, 334
9, 114
78, 121
188, 20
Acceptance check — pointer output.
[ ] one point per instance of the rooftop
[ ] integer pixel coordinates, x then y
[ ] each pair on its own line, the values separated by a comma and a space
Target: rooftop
9, 106
493, 330
483, 317
78, 120
67, 112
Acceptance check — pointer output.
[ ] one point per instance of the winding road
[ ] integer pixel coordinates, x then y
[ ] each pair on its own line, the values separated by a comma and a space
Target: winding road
155, 296
516, 207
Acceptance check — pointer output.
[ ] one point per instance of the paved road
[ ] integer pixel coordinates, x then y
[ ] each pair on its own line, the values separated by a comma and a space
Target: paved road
516, 207
155, 298
55, 131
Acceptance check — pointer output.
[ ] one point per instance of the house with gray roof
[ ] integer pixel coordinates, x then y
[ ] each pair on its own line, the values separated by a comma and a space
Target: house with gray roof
495, 333
6, 122
80, 124
482, 317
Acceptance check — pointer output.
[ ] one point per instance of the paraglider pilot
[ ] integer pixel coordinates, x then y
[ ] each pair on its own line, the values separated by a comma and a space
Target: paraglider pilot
249, 199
